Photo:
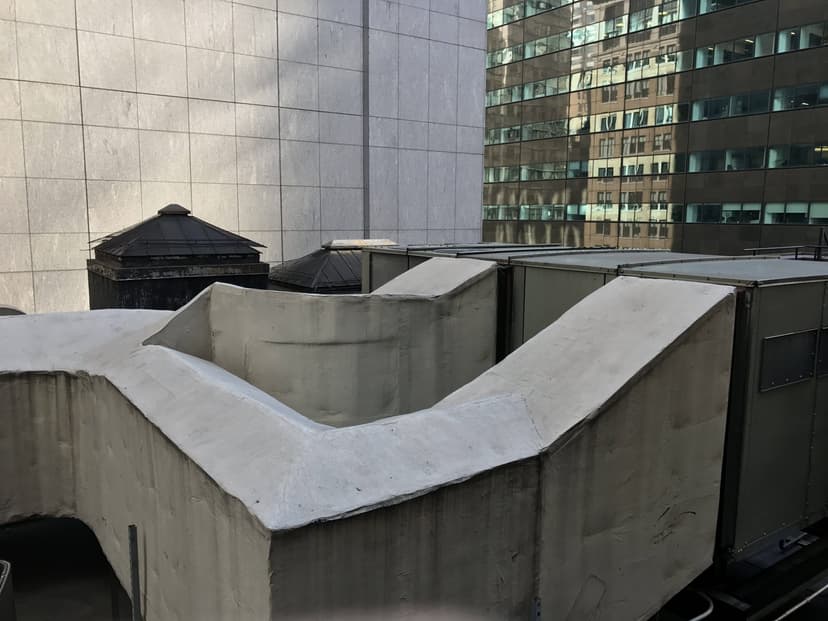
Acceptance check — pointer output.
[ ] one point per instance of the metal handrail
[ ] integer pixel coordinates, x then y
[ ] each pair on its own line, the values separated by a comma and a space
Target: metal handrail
817, 248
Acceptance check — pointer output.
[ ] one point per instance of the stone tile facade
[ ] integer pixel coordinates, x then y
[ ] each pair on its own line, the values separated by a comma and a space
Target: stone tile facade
287, 121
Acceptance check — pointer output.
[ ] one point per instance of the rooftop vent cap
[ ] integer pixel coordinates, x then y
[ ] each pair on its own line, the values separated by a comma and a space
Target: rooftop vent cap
354, 244
173, 210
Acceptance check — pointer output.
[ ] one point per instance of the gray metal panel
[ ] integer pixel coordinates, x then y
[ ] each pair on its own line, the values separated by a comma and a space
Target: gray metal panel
741, 271
775, 461
518, 306
818, 480
610, 260
385, 267
552, 292
787, 359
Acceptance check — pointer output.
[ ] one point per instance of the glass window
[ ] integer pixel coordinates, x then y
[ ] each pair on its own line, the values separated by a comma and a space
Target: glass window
614, 27
783, 98
731, 212
806, 96
608, 122
751, 213
710, 108
812, 36
743, 49
577, 168
501, 174
821, 155
774, 213
684, 60
819, 213
704, 213
576, 212
764, 44
666, 85
639, 20
786, 213
541, 212
707, 161
796, 213
741, 213
704, 57
636, 118
801, 155
500, 212
778, 156
664, 114
750, 103
787, 40
745, 159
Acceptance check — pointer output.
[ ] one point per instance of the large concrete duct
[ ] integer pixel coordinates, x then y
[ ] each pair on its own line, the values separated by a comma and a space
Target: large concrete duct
579, 475
348, 359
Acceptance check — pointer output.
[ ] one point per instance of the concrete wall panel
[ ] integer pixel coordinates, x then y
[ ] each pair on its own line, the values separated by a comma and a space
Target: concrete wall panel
82, 79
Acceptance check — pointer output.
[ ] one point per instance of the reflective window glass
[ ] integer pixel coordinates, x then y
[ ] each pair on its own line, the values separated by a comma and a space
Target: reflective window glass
818, 213
704, 213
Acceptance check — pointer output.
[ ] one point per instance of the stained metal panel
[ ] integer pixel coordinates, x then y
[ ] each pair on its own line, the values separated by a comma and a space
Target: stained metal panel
776, 456
517, 307
384, 267
822, 353
552, 292
818, 479
787, 359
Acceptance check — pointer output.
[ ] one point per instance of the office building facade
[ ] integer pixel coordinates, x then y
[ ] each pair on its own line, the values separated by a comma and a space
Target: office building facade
290, 122
695, 125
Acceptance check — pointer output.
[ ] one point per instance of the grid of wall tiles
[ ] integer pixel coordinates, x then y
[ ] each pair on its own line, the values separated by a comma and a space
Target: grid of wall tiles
252, 114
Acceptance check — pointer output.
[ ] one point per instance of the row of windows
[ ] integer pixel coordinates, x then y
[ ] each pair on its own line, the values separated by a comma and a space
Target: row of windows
662, 12
630, 119
623, 212
657, 15
639, 67
777, 156
796, 212
525, 8
631, 168
754, 213
757, 102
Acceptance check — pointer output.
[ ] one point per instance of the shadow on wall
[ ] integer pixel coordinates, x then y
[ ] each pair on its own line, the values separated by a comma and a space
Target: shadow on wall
347, 359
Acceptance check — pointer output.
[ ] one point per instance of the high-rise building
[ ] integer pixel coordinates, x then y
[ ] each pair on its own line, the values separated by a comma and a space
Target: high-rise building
289, 122
695, 125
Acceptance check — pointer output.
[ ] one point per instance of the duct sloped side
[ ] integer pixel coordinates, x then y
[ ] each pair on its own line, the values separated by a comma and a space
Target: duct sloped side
629, 391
